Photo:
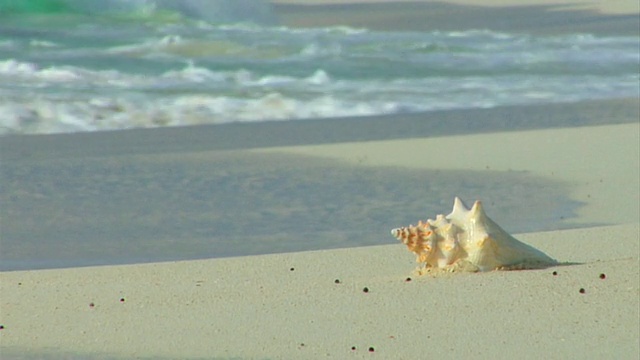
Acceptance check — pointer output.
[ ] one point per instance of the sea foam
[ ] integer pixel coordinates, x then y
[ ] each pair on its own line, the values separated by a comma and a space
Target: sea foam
114, 73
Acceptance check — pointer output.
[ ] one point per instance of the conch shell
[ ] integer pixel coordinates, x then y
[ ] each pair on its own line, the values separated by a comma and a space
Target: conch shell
468, 240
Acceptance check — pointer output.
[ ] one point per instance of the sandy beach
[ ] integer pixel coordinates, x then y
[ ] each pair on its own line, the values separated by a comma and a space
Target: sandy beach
609, 7
564, 178
289, 306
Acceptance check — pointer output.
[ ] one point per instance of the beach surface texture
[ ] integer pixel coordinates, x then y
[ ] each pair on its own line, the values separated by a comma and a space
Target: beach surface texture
563, 178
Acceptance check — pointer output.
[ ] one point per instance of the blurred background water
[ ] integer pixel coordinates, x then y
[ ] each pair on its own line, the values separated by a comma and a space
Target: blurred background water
87, 65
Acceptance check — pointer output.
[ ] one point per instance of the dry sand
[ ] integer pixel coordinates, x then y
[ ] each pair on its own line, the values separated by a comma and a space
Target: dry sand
289, 306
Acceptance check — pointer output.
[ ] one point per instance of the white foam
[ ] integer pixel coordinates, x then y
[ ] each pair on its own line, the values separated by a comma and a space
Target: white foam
13, 67
42, 44
478, 33
58, 74
320, 77
315, 50
343, 30
48, 115
192, 73
179, 73
13, 70
165, 42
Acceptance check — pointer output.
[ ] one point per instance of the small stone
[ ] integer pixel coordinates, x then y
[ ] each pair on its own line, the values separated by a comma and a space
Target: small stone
603, 276
353, 348
337, 281
371, 349
407, 279
582, 291
555, 273
121, 300
366, 289
291, 269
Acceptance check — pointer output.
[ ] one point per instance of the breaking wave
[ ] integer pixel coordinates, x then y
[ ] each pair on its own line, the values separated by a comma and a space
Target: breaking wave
186, 62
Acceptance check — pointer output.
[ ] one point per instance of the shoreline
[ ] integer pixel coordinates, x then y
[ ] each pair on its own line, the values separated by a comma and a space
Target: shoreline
279, 133
138, 196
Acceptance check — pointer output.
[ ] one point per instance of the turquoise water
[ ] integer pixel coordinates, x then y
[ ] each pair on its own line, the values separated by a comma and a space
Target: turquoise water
75, 65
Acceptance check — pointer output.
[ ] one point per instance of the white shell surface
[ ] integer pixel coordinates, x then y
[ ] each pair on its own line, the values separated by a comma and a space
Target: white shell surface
468, 240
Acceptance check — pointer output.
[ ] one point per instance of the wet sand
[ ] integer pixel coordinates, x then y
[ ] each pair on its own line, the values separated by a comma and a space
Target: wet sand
201, 192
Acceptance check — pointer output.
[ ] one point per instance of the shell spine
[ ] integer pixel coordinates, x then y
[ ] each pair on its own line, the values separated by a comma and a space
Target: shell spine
468, 240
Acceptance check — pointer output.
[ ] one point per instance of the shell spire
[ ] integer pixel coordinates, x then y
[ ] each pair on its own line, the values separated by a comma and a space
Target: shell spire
467, 239
459, 209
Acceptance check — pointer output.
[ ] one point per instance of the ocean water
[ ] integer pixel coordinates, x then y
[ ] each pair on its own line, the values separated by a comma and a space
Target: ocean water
90, 65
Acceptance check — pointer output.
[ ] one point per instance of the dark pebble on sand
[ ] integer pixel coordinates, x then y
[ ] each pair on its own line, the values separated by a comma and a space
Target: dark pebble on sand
603, 276
337, 281
555, 273
366, 289
582, 290
371, 349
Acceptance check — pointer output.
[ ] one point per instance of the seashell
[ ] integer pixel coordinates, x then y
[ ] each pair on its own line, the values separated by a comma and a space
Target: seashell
468, 240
